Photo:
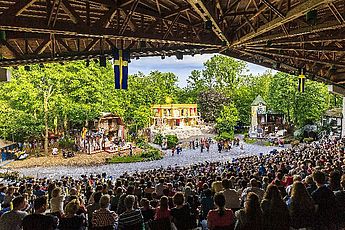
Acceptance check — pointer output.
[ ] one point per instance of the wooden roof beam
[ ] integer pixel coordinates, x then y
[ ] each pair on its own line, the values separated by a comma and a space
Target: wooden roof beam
274, 9
330, 25
298, 58
43, 46
129, 16
293, 14
71, 12
171, 26
17, 9
205, 11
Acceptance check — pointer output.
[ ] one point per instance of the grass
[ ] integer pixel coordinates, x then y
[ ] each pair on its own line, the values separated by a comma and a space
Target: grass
250, 141
149, 154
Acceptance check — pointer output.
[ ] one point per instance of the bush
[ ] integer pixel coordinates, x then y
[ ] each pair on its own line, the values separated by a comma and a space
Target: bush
172, 141
308, 140
224, 136
295, 143
249, 140
66, 143
148, 154
158, 139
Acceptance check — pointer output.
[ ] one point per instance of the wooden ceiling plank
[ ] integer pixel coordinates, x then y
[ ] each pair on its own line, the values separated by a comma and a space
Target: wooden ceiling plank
293, 14
171, 26
205, 11
16, 9
71, 12
129, 16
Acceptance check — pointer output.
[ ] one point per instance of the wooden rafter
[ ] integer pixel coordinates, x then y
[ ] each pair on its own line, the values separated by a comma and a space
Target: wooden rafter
293, 14
206, 13
129, 16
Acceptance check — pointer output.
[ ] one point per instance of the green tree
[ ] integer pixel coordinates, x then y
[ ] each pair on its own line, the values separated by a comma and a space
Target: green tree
227, 120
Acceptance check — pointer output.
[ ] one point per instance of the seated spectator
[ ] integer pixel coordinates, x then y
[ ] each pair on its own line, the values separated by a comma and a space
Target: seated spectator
12, 220
326, 206
301, 207
254, 187
340, 198
132, 218
39, 221
38, 191
56, 202
221, 217
146, 210
115, 199
9, 195
93, 207
207, 203
232, 198
163, 211
103, 218
217, 185
181, 213
72, 221
249, 218
275, 211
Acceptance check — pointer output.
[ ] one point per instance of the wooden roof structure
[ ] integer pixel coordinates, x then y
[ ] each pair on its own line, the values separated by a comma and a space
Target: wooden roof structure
286, 35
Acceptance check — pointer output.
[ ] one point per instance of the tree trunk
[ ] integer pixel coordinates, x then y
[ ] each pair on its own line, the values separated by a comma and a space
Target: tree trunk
46, 123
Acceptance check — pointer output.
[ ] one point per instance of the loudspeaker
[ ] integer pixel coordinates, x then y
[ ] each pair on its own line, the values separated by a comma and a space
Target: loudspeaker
311, 17
5, 75
179, 56
208, 25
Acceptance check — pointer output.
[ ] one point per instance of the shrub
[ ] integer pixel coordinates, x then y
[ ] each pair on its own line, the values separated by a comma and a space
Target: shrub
148, 154
66, 143
295, 143
224, 136
249, 140
172, 141
158, 139
308, 139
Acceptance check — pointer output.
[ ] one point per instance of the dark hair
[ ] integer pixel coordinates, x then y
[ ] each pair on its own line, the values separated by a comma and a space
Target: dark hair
219, 200
178, 198
17, 201
319, 177
226, 184
97, 196
164, 202
40, 202
252, 209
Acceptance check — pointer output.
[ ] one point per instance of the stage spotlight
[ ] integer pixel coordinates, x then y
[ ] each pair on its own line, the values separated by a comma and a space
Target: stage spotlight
2, 35
41, 65
208, 25
137, 57
162, 57
87, 63
142, 44
311, 17
103, 61
27, 68
179, 56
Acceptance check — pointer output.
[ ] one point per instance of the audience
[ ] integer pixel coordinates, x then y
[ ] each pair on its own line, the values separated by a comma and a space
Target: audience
12, 220
297, 188
38, 220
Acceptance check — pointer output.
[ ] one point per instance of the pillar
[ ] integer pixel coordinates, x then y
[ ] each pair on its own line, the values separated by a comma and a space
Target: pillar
339, 91
343, 120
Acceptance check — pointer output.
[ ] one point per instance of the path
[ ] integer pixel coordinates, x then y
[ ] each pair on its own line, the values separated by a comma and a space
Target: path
187, 157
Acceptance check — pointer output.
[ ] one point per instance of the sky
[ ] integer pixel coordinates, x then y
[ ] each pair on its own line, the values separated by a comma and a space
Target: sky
181, 68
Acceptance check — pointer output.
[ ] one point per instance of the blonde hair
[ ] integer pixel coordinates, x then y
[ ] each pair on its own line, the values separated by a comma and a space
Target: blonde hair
72, 207
104, 201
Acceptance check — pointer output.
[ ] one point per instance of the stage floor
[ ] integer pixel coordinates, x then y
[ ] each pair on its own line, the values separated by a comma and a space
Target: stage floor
187, 157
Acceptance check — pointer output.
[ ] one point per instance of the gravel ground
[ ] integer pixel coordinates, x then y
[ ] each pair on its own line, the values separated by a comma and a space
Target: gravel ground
186, 158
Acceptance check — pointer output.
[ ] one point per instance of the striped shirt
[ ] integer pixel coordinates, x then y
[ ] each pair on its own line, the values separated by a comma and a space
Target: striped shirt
103, 218
131, 218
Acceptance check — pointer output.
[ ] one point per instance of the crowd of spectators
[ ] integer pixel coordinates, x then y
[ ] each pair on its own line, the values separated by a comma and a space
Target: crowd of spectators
296, 188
